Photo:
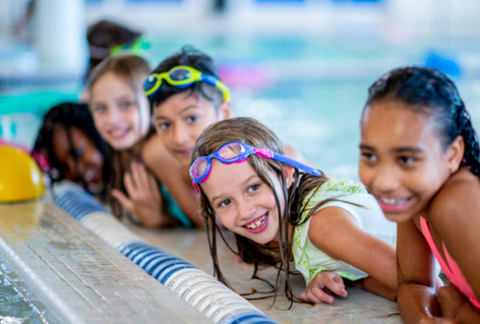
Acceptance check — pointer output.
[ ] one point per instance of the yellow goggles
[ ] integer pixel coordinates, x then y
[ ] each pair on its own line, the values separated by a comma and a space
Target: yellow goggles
182, 76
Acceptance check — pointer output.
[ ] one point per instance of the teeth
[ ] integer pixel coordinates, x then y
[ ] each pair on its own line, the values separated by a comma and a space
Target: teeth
118, 132
257, 223
392, 201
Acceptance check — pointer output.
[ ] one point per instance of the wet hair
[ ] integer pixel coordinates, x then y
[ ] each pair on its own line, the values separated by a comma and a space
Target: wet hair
429, 91
103, 36
67, 115
133, 70
252, 132
190, 56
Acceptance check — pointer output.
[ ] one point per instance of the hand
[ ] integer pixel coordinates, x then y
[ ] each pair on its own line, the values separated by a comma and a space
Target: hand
319, 289
143, 198
450, 299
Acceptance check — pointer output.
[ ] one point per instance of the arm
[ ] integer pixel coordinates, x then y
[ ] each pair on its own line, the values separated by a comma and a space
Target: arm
170, 173
416, 275
456, 221
334, 231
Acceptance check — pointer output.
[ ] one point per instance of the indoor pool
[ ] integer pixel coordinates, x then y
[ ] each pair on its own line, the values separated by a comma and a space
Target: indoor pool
310, 90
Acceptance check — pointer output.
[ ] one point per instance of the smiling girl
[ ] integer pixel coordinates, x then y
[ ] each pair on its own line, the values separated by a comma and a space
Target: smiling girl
420, 159
281, 209
122, 117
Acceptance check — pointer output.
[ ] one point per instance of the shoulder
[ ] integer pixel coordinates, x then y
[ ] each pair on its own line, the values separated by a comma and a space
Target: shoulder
154, 151
459, 196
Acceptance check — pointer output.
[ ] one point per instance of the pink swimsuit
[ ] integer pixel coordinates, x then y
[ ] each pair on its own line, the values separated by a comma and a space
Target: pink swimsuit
449, 268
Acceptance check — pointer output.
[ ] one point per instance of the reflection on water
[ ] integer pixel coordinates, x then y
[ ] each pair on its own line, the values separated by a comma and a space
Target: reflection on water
17, 304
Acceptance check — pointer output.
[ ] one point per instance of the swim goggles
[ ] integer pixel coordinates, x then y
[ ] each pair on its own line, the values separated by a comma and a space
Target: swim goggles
137, 48
182, 76
236, 152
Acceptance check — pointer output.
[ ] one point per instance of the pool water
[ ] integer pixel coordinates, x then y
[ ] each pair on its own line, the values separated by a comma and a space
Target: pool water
310, 90
17, 303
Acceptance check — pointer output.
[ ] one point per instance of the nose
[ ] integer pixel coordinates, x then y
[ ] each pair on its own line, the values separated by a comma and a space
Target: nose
180, 135
245, 209
386, 179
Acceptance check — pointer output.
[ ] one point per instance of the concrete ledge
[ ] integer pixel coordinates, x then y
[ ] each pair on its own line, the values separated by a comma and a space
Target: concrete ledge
77, 276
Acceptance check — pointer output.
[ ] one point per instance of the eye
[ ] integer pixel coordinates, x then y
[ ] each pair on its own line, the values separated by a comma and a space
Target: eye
192, 118
80, 151
369, 157
163, 126
253, 187
126, 104
224, 203
99, 109
406, 160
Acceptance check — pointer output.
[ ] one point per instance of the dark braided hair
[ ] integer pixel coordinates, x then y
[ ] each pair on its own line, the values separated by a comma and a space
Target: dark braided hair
431, 92
67, 115
190, 56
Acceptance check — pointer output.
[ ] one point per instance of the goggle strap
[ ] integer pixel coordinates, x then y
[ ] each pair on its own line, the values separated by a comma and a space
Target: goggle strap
296, 164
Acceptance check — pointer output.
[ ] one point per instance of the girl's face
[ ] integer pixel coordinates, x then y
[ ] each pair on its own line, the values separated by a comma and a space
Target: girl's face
180, 120
87, 170
243, 202
121, 115
403, 161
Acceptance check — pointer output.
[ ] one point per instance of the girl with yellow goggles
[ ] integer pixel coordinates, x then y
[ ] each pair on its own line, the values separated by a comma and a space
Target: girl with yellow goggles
182, 76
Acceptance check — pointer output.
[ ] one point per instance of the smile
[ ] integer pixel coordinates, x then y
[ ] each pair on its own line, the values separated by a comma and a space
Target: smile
392, 201
394, 205
258, 225
119, 133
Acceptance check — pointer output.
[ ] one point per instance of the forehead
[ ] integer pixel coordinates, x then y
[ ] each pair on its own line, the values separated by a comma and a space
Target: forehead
396, 124
178, 102
60, 137
225, 176
111, 81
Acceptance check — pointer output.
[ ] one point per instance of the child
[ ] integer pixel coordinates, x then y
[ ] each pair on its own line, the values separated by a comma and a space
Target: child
186, 95
72, 147
331, 228
420, 159
121, 114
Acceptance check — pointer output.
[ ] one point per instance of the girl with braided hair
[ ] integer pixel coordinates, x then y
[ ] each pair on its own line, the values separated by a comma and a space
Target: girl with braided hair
420, 159
69, 147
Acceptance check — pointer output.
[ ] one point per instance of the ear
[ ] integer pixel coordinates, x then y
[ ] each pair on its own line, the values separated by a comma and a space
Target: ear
225, 110
288, 170
455, 153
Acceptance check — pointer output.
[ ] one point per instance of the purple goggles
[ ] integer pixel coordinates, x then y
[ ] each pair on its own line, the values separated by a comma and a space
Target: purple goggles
236, 152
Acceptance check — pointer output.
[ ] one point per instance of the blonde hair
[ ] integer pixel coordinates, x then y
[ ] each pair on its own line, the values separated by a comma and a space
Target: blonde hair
134, 70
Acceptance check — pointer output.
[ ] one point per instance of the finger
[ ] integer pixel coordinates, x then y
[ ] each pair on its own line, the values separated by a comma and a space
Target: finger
319, 296
155, 192
124, 200
129, 185
139, 176
335, 287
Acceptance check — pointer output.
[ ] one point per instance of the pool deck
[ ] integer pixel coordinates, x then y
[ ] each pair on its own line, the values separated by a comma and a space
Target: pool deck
80, 279
76, 277
191, 245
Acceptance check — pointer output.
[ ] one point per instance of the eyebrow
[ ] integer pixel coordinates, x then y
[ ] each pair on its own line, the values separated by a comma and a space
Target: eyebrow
243, 183
406, 149
181, 111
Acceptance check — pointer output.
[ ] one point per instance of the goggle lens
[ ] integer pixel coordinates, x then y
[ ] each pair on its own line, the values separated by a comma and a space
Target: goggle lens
149, 83
180, 74
231, 151
199, 168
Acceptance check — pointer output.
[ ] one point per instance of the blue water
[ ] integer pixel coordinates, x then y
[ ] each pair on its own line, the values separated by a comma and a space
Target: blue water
311, 90
17, 303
